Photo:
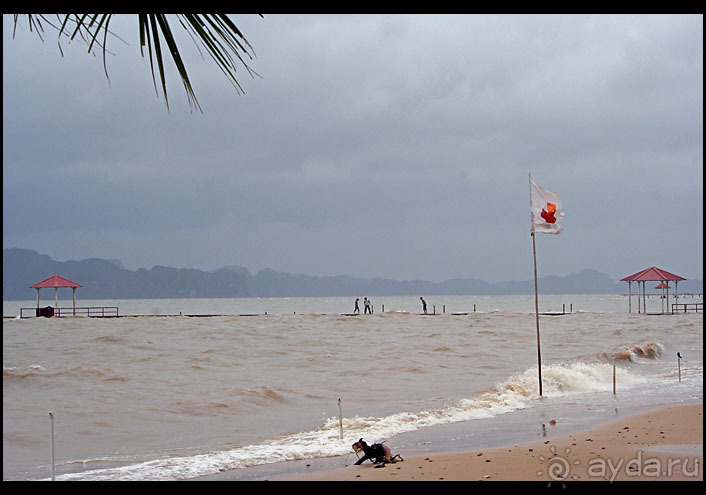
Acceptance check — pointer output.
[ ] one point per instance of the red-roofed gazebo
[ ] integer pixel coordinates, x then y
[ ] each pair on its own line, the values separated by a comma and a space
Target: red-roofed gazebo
652, 274
56, 281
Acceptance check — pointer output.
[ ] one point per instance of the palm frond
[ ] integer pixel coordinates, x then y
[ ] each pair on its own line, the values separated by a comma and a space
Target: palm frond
215, 33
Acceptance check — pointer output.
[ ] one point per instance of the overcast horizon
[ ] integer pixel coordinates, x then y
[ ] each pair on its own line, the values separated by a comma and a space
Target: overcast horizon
254, 273
391, 146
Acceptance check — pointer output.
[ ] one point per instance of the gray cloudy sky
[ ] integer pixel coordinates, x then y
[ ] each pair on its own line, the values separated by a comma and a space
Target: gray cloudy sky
373, 145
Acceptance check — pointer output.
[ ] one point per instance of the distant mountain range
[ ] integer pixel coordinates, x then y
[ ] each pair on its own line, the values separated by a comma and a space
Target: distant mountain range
108, 279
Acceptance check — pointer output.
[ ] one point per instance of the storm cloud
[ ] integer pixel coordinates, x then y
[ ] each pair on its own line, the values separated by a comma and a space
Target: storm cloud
396, 146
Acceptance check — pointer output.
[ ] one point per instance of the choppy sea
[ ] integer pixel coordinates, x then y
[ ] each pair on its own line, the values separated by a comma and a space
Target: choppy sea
270, 382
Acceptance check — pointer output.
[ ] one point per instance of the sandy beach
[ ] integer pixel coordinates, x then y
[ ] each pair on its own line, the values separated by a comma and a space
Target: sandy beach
665, 444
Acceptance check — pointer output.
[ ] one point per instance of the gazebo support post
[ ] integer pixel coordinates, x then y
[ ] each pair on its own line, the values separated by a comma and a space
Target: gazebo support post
644, 297
74, 290
669, 310
662, 297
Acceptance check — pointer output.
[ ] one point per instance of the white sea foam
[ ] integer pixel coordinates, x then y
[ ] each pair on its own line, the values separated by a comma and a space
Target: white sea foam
517, 392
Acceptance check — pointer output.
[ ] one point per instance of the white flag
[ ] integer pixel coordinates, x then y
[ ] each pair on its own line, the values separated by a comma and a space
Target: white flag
545, 210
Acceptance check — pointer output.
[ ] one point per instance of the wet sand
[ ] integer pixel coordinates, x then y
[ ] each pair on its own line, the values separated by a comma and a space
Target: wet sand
665, 444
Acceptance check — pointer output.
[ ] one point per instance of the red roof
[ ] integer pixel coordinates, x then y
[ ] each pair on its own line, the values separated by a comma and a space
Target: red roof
55, 281
652, 274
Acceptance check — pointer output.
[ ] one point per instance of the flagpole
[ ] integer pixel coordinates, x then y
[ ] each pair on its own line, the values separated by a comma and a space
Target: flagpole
547, 222
536, 313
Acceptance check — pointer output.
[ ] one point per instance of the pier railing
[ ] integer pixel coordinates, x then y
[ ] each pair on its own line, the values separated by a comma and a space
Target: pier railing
92, 311
686, 307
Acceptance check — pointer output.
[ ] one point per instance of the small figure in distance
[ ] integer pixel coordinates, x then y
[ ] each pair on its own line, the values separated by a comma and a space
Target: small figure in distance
424, 305
357, 309
368, 307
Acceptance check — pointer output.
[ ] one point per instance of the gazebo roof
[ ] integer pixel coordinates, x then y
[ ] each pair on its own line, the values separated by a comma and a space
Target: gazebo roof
651, 274
55, 281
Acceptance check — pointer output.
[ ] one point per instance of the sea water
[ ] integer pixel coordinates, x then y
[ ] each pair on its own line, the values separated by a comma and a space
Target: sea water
269, 381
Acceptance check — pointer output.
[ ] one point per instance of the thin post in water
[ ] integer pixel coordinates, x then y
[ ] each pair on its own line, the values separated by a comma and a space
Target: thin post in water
340, 418
679, 365
51, 444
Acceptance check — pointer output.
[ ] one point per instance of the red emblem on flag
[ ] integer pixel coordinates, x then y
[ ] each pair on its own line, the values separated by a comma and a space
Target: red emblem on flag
548, 214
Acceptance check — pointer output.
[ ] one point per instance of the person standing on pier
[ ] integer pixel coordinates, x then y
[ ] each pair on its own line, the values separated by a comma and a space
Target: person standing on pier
424, 305
357, 309
368, 307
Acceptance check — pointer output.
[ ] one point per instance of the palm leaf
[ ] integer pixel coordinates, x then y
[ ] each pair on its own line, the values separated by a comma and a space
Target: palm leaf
215, 33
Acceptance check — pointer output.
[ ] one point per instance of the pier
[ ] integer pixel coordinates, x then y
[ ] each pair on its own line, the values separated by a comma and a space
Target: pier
686, 307
106, 312
90, 311
95, 309
563, 311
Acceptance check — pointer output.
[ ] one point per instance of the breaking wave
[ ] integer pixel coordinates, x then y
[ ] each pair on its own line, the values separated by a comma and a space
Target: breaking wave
17, 372
39, 371
517, 392
636, 353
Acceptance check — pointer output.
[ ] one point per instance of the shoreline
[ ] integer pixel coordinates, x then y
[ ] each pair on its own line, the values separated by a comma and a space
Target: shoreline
657, 443
663, 444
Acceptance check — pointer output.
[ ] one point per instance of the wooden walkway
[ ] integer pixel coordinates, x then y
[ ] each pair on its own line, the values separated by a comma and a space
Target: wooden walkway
90, 311
113, 312
686, 307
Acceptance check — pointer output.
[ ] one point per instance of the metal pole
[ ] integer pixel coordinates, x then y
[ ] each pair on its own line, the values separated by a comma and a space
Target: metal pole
51, 443
536, 313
